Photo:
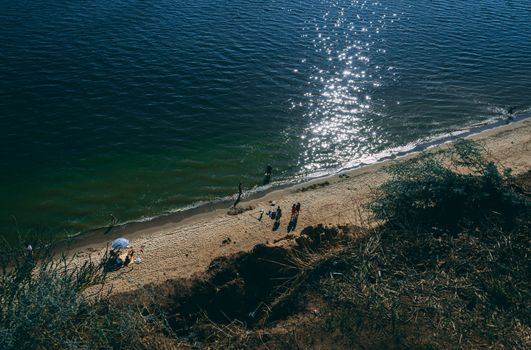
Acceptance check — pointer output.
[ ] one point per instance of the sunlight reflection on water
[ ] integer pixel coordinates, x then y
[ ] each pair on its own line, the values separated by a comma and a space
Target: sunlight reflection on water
345, 80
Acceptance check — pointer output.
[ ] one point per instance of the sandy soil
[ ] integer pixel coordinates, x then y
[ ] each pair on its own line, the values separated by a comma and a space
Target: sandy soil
180, 249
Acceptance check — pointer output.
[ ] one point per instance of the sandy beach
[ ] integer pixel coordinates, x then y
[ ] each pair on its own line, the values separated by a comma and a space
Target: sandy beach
181, 248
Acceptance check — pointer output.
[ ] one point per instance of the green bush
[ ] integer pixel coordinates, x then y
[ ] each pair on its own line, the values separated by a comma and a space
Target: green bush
45, 304
452, 190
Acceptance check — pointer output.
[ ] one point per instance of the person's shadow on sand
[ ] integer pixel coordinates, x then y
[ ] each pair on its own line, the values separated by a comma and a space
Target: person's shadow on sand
292, 224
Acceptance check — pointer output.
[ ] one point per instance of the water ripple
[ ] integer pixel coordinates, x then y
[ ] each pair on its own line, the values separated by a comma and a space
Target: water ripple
138, 108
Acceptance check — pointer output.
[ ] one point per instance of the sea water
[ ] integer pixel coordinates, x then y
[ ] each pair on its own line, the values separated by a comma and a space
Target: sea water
138, 108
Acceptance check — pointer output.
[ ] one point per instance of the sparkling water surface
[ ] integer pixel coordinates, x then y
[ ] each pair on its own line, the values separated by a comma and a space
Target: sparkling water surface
139, 108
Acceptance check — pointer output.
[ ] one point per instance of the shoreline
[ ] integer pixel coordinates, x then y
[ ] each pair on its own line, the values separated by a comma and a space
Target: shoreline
101, 235
172, 249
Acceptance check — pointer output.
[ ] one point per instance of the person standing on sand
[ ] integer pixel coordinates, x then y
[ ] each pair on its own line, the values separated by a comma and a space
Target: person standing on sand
293, 210
279, 214
240, 192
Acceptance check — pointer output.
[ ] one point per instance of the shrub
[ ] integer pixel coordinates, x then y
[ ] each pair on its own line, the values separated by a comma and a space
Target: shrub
44, 304
455, 189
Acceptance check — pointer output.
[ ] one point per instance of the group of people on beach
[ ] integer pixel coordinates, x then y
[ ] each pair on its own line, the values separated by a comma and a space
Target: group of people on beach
274, 214
277, 214
117, 260
295, 211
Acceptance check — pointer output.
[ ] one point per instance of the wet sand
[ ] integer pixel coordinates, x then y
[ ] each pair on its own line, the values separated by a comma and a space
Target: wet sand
183, 244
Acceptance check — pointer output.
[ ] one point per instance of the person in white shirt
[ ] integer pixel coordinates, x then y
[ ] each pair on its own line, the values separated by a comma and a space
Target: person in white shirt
29, 249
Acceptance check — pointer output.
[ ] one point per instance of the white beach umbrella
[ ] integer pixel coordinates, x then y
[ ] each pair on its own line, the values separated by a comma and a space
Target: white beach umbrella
120, 243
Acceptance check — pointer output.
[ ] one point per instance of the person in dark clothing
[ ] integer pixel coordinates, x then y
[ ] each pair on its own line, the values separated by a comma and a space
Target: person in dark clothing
510, 115
129, 258
240, 192
279, 213
267, 175
277, 216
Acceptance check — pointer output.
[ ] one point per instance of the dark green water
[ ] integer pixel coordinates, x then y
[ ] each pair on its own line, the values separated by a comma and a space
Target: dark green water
138, 108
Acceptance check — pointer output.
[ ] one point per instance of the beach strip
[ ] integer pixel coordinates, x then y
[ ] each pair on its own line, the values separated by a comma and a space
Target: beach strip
180, 246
